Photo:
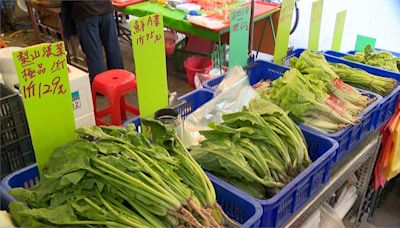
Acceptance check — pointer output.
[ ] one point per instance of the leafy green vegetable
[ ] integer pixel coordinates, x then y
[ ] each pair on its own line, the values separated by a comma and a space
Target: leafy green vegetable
121, 179
362, 79
382, 59
259, 150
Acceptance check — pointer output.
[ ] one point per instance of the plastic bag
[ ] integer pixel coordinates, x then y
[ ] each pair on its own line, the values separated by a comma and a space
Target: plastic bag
329, 217
345, 201
199, 78
233, 93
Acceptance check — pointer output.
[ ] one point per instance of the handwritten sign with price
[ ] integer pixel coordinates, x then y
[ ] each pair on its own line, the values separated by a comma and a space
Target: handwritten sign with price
338, 32
149, 55
239, 36
282, 35
315, 25
43, 78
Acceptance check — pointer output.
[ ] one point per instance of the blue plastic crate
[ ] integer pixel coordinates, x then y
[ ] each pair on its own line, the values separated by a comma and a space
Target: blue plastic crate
188, 103
388, 105
257, 71
243, 210
280, 208
348, 137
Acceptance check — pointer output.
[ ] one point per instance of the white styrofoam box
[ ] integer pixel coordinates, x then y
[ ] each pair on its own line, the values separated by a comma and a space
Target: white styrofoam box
85, 121
7, 68
81, 93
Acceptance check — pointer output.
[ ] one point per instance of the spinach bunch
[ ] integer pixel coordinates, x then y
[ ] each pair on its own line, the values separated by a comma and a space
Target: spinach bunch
259, 150
120, 179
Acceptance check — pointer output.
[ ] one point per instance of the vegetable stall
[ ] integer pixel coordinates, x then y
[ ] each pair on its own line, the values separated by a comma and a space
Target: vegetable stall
303, 138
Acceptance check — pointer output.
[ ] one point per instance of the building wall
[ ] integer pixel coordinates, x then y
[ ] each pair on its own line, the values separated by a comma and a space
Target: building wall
375, 18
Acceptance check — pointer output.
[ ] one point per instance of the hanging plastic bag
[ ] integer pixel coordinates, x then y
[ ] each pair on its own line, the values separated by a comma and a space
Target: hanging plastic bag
383, 164
393, 168
233, 93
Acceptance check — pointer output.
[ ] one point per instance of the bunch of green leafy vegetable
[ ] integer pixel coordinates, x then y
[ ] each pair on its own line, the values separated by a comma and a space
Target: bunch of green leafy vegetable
363, 80
259, 150
315, 64
382, 59
121, 179
306, 99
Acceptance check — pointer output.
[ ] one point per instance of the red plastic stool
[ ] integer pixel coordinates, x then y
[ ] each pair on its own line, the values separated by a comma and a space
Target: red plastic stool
114, 84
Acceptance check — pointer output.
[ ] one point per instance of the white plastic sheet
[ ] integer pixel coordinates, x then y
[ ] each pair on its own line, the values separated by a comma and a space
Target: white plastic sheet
233, 93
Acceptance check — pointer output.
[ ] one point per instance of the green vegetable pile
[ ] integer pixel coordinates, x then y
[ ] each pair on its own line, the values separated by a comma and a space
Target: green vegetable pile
313, 93
382, 59
259, 150
363, 80
121, 179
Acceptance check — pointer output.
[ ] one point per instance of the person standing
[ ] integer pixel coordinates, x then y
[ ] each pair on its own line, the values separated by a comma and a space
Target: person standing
95, 26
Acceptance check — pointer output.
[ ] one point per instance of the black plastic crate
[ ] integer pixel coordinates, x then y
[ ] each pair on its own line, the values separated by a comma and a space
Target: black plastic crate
16, 146
12, 116
16, 156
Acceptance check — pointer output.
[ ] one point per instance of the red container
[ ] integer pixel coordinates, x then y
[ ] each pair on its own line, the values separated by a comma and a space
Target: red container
170, 39
196, 64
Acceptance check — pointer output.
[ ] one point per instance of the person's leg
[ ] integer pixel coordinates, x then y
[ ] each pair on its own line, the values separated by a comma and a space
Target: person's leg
109, 37
89, 37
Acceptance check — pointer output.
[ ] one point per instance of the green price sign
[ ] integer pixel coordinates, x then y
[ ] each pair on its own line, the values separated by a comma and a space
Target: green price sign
315, 25
43, 78
239, 36
149, 55
338, 32
284, 25
363, 41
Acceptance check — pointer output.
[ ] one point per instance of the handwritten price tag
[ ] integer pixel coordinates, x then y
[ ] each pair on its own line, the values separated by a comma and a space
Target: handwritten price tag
43, 77
282, 35
315, 25
149, 56
239, 36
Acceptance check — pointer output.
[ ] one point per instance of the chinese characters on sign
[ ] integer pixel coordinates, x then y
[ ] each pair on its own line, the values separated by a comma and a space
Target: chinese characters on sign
239, 36
315, 25
43, 78
284, 26
338, 32
39, 79
145, 35
149, 51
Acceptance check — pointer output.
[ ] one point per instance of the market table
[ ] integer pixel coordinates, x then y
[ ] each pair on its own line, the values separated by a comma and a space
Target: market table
174, 19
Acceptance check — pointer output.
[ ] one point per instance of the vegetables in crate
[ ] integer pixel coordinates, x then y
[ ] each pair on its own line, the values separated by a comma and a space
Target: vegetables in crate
315, 65
307, 100
363, 80
259, 150
382, 59
121, 179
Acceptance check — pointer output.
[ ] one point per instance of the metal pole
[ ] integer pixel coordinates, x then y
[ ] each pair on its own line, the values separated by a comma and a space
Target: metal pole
251, 26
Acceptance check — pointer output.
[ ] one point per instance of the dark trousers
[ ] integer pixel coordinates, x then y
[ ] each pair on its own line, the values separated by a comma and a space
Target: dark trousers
93, 32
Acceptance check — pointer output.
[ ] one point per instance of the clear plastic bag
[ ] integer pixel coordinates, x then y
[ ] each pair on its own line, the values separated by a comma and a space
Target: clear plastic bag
233, 93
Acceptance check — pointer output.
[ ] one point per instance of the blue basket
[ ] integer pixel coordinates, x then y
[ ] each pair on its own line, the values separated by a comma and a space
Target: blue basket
280, 208
348, 137
243, 210
187, 104
388, 105
257, 71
